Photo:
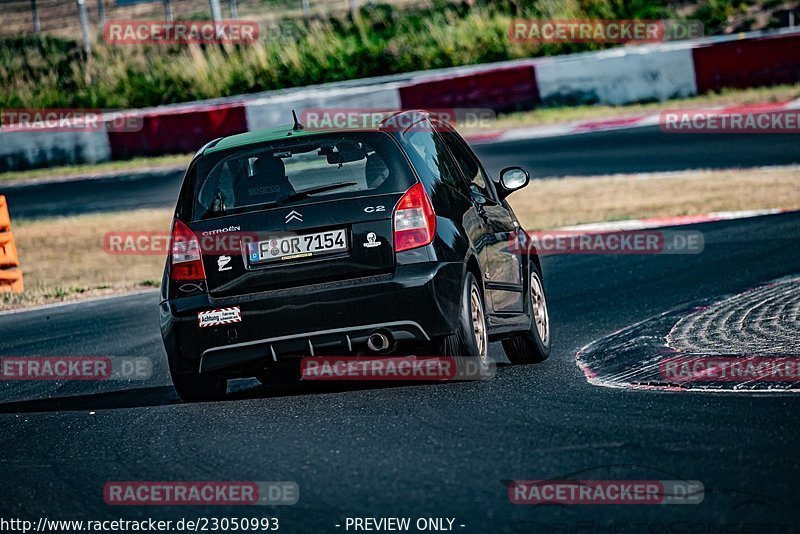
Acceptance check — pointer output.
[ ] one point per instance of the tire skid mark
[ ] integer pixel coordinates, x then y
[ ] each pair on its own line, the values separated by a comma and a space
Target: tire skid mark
761, 320
749, 328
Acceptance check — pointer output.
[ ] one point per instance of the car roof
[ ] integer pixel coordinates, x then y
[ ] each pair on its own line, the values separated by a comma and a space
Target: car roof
258, 136
287, 131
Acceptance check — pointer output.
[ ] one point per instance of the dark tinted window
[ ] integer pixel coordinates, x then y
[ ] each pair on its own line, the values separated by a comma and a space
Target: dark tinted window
427, 151
467, 161
287, 172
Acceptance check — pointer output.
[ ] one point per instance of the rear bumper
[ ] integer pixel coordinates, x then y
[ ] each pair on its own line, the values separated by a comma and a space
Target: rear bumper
417, 303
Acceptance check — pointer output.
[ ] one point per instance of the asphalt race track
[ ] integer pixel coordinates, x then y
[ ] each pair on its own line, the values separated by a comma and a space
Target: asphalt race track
634, 150
437, 450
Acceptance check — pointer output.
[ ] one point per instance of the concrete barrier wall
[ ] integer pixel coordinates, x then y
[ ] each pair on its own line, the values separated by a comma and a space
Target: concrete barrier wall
39, 148
747, 63
499, 88
275, 110
618, 76
178, 130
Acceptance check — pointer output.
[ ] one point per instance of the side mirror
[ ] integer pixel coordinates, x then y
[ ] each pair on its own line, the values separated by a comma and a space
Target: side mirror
511, 179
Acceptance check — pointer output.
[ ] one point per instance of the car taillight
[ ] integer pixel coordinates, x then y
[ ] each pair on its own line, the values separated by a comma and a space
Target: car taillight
414, 220
186, 262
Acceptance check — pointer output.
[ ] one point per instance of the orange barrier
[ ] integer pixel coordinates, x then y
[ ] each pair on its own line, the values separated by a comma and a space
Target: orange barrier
10, 275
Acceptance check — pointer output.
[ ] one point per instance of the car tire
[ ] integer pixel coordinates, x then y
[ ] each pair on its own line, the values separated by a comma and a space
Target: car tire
471, 340
196, 387
532, 345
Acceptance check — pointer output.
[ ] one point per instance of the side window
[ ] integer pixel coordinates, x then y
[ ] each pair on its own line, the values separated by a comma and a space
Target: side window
468, 162
217, 190
427, 151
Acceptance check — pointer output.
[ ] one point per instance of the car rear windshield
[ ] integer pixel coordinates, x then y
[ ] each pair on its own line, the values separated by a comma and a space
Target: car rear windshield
287, 172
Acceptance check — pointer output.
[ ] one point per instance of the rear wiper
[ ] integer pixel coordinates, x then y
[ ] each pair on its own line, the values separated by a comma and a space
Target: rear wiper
210, 214
319, 189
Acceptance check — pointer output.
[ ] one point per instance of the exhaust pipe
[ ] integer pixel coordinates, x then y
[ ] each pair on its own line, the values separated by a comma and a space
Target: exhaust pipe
378, 342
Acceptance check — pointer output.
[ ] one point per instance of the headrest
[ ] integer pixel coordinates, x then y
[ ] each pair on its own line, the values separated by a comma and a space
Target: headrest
375, 170
268, 166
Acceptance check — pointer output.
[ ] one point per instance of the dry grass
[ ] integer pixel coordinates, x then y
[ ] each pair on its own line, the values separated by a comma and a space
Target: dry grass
571, 200
64, 258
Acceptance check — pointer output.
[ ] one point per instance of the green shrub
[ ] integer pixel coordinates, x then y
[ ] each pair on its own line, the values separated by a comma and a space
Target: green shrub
49, 72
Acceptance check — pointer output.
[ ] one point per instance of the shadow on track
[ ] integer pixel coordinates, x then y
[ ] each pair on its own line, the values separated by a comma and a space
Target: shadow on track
166, 395
128, 398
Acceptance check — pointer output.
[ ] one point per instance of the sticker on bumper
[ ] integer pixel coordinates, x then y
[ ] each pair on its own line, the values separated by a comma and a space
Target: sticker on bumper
220, 316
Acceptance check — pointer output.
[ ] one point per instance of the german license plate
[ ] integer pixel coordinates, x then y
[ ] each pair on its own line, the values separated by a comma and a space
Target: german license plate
297, 246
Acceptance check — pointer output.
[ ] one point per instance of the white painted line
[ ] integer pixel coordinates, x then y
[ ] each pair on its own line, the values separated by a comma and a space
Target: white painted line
680, 220
613, 123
